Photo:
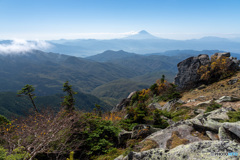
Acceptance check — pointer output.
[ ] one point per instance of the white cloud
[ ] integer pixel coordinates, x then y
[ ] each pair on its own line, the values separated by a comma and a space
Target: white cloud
22, 46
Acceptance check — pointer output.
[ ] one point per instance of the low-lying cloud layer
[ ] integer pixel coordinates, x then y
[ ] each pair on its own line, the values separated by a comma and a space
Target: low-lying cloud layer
22, 46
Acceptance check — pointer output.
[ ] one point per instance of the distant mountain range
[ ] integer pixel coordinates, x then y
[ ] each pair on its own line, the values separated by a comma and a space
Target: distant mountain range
110, 70
141, 43
110, 55
110, 75
48, 71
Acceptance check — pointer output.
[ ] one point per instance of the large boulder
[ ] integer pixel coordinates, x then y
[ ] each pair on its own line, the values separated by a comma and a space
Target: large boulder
233, 128
123, 136
142, 131
207, 150
154, 106
202, 137
233, 64
210, 121
183, 131
168, 106
204, 103
180, 132
227, 99
223, 134
233, 81
187, 76
219, 114
219, 55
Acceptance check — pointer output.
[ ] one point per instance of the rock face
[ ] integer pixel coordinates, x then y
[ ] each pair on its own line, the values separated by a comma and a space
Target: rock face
123, 137
188, 131
141, 131
180, 132
168, 106
206, 136
233, 128
232, 81
202, 137
233, 64
219, 55
154, 106
227, 99
187, 76
124, 103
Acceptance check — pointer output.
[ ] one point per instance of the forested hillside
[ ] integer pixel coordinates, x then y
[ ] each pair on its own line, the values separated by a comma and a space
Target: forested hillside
159, 121
109, 76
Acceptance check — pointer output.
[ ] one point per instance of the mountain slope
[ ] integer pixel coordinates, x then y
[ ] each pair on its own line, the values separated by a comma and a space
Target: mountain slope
200, 118
12, 105
109, 56
48, 71
150, 63
114, 91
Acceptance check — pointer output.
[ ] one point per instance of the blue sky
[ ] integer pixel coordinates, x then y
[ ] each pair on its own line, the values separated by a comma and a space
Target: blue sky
175, 19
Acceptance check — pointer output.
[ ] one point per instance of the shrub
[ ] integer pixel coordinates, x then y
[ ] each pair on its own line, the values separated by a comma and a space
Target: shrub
153, 88
100, 135
3, 120
17, 154
71, 155
182, 113
134, 98
136, 116
218, 69
111, 155
212, 107
167, 114
158, 121
234, 116
127, 124
140, 112
43, 132
143, 95
3, 153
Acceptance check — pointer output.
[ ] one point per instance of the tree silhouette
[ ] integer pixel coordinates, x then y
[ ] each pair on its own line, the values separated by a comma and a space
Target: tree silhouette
68, 101
163, 78
28, 91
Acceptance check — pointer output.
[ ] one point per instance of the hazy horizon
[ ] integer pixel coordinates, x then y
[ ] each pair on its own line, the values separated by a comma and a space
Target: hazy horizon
108, 36
106, 19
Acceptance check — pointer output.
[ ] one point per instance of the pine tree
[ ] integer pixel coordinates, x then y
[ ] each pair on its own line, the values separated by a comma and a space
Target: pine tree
163, 78
68, 101
28, 90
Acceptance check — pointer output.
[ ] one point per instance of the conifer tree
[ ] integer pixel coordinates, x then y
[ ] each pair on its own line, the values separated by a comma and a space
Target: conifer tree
28, 91
98, 110
68, 101
163, 78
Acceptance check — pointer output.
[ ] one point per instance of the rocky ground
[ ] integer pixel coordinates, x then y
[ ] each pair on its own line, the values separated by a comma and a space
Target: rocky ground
202, 137
207, 134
